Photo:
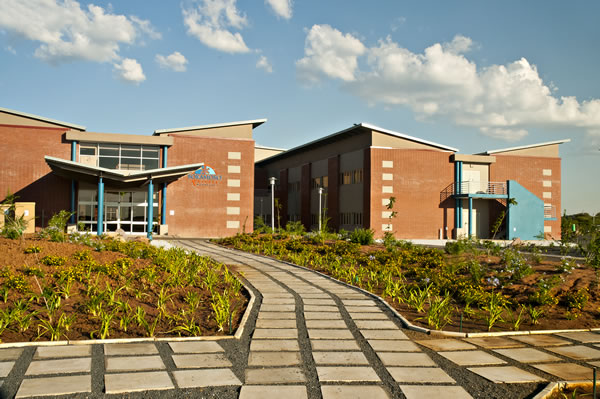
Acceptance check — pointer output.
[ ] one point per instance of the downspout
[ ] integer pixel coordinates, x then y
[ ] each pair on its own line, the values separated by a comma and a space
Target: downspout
74, 159
163, 212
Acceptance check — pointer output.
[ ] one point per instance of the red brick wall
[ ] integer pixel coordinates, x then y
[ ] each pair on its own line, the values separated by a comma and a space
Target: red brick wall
527, 171
24, 172
201, 210
418, 178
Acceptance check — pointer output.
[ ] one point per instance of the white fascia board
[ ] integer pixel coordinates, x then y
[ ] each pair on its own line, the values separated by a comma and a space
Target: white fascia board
524, 147
255, 123
407, 137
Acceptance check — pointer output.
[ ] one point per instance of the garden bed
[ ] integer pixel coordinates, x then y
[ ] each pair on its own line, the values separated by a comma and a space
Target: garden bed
470, 287
92, 288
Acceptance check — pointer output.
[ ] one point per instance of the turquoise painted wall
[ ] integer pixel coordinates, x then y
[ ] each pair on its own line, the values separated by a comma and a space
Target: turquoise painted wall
526, 219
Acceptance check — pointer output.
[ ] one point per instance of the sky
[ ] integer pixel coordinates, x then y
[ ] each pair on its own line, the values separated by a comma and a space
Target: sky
473, 75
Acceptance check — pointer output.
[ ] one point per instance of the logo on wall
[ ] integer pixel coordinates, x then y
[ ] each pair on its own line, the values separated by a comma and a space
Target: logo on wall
205, 176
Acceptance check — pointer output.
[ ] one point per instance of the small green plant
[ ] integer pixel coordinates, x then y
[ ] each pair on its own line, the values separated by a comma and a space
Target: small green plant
222, 309
417, 297
34, 249
494, 308
54, 260
440, 311
362, 236
543, 295
57, 226
565, 265
535, 314
577, 300
14, 226
515, 264
514, 318
82, 255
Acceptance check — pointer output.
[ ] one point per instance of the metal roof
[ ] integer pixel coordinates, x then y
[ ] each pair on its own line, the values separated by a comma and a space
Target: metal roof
255, 123
41, 118
118, 178
524, 147
362, 125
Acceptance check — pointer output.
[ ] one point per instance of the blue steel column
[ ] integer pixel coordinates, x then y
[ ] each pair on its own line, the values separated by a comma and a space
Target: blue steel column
470, 216
73, 158
460, 218
150, 212
100, 228
163, 213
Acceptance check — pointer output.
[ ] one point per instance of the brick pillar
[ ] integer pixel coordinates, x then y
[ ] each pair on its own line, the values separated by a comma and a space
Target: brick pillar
333, 192
367, 189
305, 196
283, 196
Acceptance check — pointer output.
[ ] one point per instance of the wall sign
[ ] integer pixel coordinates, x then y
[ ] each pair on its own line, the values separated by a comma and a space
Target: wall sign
204, 176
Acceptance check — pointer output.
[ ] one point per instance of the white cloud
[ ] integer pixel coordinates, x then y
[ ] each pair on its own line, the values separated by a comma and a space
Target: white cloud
283, 8
176, 61
501, 101
129, 70
264, 64
67, 32
146, 27
328, 52
210, 21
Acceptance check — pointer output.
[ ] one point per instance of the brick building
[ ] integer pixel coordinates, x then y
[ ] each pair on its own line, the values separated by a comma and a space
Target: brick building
437, 193
193, 182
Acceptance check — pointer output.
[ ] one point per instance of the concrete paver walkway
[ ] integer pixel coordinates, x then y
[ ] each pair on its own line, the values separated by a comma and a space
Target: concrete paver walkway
309, 337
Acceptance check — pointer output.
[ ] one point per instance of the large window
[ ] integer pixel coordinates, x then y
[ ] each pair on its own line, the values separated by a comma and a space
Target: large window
351, 177
321, 181
119, 156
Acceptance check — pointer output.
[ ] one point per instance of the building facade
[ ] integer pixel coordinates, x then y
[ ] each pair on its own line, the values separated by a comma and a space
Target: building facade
386, 181
193, 182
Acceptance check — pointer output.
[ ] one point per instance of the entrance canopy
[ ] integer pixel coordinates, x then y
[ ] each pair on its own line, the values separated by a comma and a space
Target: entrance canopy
118, 178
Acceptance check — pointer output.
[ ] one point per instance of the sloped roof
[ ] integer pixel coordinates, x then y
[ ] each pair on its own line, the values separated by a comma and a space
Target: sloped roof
41, 118
524, 147
255, 123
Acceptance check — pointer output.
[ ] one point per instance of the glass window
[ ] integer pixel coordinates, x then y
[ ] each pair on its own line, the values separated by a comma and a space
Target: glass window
150, 152
130, 151
109, 163
109, 149
130, 164
87, 150
325, 181
139, 196
149, 164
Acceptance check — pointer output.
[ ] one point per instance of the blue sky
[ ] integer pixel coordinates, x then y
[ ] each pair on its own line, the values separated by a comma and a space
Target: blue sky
470, 74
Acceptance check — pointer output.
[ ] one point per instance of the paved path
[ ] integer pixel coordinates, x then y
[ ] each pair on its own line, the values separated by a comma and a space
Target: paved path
307, 337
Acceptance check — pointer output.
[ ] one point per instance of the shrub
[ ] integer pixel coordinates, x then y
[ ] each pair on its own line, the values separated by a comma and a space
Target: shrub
54, 260
459, 246
577, 300
57, 226
515, 263
14, 226
362, 236
33, 250
294, 227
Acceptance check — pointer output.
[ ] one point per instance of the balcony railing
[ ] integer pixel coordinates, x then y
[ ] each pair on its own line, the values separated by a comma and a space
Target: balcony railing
549, 212
474, 187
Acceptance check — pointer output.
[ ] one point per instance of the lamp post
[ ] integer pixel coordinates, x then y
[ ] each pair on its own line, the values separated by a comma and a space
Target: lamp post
272, 181
320, 208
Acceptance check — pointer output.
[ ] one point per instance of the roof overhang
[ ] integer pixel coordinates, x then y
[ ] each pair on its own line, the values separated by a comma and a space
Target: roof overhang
486, 159
255, 123
524, 147
118, 178
119, 138
41, 118
407, 137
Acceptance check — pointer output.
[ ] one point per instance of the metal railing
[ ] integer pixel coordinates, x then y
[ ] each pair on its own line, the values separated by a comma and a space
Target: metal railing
474, 187
549, 212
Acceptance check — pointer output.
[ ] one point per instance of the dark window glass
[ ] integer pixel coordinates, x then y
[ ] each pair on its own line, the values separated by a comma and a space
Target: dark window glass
130, 164
130, 151
150, 153
150, 164
109, 163
112, 150
87, 150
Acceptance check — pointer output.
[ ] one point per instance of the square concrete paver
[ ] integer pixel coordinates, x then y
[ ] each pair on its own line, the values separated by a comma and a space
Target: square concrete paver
274, 359
205, 378
405, 359
268, 345
528, 355
471, 358
276, 323
277, 315
582, 336
329, 334
270, 392
347, 374
353, 392
363, 309
133, 363
66, 385
369, 316
343, 358
541, 340
391, 345
328, 324
275, 333
383, 334
494, 342
315, 301
334, 345
358, 302
446, 345
136, 382
282, 375
5, 368
579, 352
196, 347
200, 361
143, 348
315, 295
60, 366
279, 301
420, 375
567, 371
505, 374
51, 352
322, 315
376, 325
433, 391
277, 308
320, 308
10, 354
